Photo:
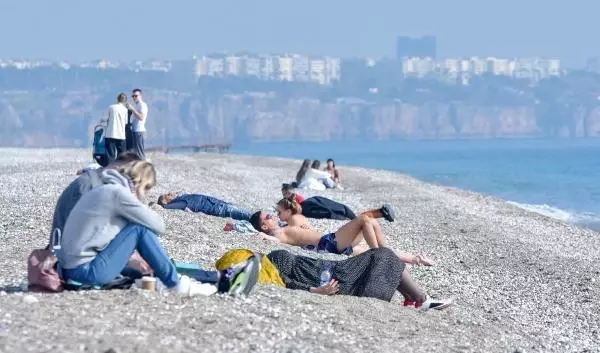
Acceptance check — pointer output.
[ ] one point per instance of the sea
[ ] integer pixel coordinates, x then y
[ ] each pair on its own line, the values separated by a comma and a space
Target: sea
557, 178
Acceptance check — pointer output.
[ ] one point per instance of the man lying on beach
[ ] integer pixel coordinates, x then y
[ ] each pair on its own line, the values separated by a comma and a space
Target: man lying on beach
319, 207
205, 204
346, 240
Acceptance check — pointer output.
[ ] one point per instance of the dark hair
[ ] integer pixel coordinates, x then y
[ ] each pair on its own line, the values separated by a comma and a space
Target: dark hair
316, 164
290, 203
161, 200
286, 187
127, 157
332, 161
303, 169
121, 98
255, 221
137, 90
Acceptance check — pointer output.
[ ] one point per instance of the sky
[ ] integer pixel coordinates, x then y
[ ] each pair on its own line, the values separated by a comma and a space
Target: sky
179, 29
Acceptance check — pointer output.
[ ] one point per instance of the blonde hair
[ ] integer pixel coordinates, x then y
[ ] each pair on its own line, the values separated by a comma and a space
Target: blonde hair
290, 203
142, 175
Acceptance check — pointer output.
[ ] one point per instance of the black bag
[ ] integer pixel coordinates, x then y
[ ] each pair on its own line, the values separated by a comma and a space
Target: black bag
128, 132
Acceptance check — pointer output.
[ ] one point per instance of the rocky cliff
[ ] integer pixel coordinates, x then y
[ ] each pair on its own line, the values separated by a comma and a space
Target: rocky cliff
66, 119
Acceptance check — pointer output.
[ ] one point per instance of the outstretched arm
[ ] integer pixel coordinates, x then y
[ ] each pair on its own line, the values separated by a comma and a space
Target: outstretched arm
265, 236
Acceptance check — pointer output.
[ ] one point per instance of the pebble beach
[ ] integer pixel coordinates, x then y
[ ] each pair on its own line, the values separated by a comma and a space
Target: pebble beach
522, 282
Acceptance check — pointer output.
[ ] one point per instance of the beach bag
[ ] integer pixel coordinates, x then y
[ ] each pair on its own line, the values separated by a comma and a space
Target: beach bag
98, 146
42, 274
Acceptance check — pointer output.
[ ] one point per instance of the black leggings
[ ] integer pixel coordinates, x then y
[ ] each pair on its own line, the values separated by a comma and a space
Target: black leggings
409, 289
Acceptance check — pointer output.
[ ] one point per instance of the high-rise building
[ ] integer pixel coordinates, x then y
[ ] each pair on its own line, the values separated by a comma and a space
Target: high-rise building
424, 47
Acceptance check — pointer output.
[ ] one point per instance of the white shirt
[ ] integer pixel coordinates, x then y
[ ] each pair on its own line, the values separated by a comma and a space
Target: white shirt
138, 125
117, 118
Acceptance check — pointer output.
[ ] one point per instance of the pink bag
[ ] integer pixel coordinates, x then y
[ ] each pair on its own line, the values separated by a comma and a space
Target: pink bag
41, 272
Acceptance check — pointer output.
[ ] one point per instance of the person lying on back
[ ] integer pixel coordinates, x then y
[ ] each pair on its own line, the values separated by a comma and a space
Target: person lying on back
319, 207
346, 240
205, 204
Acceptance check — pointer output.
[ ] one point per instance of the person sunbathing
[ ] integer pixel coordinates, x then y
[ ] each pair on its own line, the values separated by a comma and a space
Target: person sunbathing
318, 207
110, 222
346, 240
377, 273
205, 204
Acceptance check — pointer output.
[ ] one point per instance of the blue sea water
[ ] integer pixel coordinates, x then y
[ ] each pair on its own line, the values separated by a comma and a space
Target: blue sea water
558, 178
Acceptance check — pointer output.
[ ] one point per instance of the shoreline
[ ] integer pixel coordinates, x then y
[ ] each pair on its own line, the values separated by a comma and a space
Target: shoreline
523, 282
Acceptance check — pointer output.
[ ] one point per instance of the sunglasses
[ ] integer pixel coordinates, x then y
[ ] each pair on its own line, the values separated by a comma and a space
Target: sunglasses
135, 95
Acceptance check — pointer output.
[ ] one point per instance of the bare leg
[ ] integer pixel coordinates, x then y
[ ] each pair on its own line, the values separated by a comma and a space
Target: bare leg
409, 289
374, 213
381, 240
351, 233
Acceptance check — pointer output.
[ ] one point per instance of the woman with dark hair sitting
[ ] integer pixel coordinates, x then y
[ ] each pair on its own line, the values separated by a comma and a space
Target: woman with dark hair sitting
377, 273
332, 170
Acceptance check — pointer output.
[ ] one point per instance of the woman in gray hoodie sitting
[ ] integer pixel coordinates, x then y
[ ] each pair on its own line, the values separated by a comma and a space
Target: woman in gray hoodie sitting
110, 222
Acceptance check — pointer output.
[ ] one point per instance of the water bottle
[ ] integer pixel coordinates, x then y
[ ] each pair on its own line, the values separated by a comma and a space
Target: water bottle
326, 274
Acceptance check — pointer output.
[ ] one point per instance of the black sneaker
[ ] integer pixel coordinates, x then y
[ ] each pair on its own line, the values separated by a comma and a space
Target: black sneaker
240, 279
388, 213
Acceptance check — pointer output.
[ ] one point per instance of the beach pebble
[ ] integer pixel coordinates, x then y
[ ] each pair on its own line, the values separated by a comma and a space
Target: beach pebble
521, 279
30, 299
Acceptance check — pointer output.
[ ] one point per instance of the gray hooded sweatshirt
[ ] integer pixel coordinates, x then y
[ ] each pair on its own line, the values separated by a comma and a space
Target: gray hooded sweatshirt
99, 216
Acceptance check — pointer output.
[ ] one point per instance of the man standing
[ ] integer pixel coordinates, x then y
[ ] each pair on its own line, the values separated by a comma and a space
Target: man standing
114, 137
139, 114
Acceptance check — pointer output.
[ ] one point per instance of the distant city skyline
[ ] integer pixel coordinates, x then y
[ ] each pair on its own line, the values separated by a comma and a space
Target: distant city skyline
76, 30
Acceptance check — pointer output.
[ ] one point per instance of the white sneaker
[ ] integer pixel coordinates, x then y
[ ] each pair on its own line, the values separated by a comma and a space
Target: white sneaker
190, 288
437, 304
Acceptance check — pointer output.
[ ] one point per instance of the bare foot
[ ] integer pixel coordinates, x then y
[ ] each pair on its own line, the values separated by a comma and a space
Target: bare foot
421, 259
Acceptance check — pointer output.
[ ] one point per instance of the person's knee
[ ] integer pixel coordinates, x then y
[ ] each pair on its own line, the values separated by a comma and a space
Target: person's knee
364, 219
140, 230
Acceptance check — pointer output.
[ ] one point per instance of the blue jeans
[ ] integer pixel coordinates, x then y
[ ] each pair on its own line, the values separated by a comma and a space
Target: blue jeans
227, 210
109, 263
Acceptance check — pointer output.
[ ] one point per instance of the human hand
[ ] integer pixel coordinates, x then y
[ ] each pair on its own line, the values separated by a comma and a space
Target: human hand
331, 288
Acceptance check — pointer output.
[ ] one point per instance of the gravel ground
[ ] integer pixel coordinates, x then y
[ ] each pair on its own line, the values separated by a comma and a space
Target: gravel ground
522, 282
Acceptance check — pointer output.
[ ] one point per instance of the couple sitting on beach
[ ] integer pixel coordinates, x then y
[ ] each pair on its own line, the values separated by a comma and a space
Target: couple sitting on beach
310, 176
103, 222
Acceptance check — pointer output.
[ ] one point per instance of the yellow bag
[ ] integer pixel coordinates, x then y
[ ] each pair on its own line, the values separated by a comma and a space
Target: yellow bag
268, 271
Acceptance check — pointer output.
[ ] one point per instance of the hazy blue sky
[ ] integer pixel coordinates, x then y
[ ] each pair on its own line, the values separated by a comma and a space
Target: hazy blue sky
139, 29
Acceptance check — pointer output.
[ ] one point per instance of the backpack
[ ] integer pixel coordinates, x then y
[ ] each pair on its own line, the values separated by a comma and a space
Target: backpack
98, 146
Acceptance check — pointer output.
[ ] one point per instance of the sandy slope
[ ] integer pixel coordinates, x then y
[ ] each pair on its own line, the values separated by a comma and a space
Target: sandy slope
523, 282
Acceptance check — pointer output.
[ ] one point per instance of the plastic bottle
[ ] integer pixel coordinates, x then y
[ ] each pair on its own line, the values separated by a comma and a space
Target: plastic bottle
326, 274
